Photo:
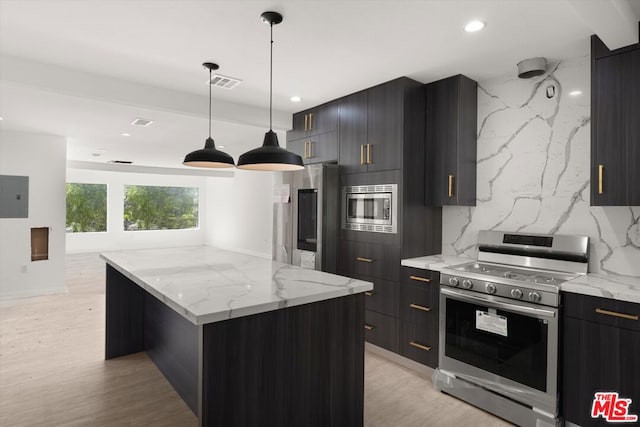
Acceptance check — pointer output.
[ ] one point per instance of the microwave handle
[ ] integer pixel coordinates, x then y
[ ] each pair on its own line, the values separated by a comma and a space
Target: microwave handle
495, 303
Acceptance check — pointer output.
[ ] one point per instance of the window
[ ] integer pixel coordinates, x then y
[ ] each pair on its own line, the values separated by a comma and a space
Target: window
160, 208
86, 208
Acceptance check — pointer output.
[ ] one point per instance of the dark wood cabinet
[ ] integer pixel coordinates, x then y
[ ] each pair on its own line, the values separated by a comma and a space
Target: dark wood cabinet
419, 302
615, 128
451, 141
601, 353
314, 121
369, 259
317, 148
352, 129
381, 330
375, 125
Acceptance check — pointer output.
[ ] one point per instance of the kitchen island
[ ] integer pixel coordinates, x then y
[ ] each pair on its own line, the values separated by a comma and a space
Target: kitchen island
243, 340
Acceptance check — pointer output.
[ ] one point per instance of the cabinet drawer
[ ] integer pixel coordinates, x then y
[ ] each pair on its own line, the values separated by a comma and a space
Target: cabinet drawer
420, 343
369, 259
381, 330
418, 305
384, 296
418, 276
602, 310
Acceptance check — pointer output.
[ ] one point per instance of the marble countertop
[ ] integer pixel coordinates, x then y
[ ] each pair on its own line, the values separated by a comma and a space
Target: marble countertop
623, 288
435, 262
206, 284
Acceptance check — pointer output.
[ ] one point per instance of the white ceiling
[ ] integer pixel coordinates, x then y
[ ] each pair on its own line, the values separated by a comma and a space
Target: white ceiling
322, 50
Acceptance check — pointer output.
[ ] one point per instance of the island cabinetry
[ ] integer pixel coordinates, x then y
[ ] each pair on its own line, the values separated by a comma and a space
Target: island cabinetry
451, 108
615, 128
601, 344
419, 302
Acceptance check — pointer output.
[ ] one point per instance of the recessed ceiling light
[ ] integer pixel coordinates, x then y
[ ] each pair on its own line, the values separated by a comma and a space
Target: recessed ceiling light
1, 118
103, 149
575, 93
141, 122
474, 26
296, 99
220, 146
125, 134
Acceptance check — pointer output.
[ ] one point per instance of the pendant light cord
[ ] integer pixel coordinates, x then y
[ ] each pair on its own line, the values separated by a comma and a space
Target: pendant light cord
271, 81
209, 103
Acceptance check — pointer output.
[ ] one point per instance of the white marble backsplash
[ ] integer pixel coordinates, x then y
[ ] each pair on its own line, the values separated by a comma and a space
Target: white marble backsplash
533, 170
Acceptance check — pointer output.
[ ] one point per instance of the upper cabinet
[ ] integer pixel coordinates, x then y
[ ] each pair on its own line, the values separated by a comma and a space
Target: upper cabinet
615, 125
374, 125
314, 121
451, 141
314, 136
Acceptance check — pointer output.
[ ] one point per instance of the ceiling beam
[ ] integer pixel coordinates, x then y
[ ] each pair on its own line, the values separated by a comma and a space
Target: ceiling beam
53, 78
614, 21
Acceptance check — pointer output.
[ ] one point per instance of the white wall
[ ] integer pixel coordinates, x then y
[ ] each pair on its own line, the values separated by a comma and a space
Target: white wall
43, 159
241, 211
533, 170
116, 238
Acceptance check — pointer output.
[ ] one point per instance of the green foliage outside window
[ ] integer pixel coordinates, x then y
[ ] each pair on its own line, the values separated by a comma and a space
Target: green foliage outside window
86, 207
160, 208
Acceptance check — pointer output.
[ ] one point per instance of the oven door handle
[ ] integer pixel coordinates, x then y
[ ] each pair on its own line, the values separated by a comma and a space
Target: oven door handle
494, 303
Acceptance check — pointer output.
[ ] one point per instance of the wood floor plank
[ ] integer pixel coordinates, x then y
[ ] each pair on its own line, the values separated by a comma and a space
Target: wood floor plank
53, 372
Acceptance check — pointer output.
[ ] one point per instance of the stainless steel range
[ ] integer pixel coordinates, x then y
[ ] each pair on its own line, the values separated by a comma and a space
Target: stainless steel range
499, 324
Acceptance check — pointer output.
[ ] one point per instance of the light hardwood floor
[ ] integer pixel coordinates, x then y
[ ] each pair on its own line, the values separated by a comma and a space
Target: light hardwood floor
53, 372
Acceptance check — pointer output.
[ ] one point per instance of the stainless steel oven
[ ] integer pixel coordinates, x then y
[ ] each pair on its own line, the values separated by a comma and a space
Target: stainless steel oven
499, 324
370, 208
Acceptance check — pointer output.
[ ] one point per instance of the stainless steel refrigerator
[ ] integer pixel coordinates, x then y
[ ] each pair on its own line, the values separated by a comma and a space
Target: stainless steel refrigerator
306, 219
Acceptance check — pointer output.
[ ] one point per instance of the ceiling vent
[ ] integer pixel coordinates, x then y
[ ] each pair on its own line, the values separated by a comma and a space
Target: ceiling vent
121, 162
141, 122
225, 82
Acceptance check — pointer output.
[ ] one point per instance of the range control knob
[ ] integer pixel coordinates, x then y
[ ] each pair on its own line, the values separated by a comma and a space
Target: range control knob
490, 288
467, 284
516, 293
534, 297
453, 281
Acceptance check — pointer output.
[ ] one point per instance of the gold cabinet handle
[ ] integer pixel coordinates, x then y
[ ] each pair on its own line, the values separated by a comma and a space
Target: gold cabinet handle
305, 150
420, 346
364, 259
616, 314
420, 279
369, 154
369, 293
420, 307
362, 154
369, 327
600, 173
310, 149
450, 193
306, 122
310, 121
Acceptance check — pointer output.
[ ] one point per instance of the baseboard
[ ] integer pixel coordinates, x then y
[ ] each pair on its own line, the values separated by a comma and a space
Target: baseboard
418, 368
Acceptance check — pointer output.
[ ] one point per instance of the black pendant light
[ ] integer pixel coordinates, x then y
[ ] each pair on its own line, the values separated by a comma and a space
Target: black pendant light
270, 157
209, 156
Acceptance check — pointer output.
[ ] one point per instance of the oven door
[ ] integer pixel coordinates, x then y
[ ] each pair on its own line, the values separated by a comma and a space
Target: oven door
508, 347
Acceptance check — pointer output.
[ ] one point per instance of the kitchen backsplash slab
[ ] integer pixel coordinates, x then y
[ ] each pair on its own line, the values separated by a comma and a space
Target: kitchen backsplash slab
533, 170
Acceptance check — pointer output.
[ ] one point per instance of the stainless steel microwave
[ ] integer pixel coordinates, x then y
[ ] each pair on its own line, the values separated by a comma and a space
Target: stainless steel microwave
370, 208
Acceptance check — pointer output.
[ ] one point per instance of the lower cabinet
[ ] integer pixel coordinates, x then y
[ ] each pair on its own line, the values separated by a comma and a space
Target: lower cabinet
601, 354
381, 330
419, 297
